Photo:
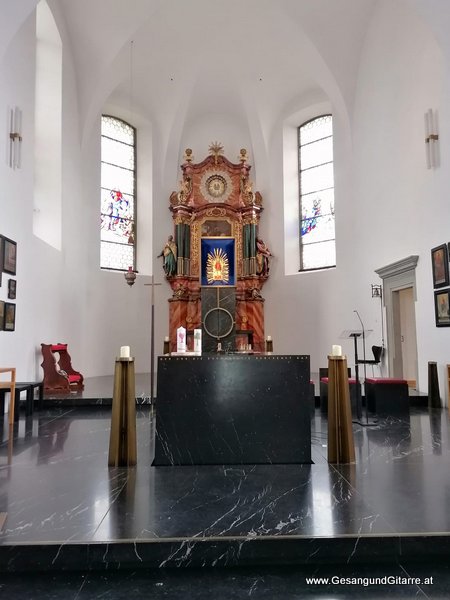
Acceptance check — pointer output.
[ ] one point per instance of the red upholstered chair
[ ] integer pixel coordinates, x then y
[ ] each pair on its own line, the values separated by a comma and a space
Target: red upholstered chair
59, 375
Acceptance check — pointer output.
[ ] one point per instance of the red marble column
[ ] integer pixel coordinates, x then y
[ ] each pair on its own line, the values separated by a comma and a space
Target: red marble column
255, 314
177, 318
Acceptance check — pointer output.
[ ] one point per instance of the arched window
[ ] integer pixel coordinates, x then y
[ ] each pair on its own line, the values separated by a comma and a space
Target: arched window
317, 231
118, 195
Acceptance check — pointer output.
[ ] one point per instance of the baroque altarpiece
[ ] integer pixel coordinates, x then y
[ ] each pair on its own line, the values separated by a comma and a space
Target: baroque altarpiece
219, 268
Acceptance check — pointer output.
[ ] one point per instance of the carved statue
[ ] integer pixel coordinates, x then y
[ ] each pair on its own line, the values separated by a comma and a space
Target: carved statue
182, 196
262, 258
185, 190
247, 195
169, 253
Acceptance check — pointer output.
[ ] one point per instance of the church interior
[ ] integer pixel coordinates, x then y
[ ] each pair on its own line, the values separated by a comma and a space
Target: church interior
209, 211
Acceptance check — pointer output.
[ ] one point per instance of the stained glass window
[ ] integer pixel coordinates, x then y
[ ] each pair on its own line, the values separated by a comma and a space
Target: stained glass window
118, 195
317, 231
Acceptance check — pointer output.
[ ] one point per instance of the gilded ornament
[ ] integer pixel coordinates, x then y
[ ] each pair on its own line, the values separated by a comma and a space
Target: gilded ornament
180, 292
216, 185
216, 149
216, 212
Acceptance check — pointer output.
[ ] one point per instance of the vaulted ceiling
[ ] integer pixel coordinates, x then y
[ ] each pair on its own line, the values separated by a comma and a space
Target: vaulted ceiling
202, 56
189, 58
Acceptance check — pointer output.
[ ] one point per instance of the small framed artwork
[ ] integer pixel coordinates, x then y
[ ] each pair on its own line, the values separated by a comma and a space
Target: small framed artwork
1, 258
2, 315
9, 256
442, 307
12, 284
439, 261
9, 323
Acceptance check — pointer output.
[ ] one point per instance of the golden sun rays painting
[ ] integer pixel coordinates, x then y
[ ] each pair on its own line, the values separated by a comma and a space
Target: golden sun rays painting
217, 266
217, 260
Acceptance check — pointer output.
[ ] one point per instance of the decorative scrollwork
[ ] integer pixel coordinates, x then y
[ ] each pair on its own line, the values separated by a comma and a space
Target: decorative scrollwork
180, 292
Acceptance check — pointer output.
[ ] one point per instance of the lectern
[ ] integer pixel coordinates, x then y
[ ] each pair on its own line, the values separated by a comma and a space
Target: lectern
122, 441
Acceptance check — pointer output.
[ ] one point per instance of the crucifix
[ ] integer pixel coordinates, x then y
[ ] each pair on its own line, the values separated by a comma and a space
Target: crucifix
152, 340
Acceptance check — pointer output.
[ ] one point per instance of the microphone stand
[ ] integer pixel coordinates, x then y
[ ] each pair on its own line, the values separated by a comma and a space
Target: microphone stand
357, 361
358, 389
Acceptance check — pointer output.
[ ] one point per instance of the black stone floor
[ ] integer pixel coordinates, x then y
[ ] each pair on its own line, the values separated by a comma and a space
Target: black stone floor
78, 529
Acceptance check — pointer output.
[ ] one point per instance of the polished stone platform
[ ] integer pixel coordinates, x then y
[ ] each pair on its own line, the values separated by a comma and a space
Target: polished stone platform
97, 391
251, 530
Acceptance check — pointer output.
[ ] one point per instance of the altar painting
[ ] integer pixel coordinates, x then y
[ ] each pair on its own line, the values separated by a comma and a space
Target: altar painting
218, 262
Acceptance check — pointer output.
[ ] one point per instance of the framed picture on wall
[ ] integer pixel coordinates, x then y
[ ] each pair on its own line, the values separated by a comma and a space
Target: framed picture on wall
2, 314
1, 258
439, 262
12, 284
442, 307
10, 317
9, 256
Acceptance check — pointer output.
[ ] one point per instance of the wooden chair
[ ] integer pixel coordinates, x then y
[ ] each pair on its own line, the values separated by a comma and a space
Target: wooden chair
11, 385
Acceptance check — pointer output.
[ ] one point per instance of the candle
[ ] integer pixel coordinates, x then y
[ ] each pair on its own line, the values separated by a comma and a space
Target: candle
125, 352
269, 338
167, 339
336, 350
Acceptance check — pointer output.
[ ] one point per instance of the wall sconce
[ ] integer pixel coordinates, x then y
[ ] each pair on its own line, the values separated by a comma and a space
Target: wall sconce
130, 276
377, 291
15, 138
431, 139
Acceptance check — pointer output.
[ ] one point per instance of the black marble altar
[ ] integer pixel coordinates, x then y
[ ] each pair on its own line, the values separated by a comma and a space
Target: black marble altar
232, 410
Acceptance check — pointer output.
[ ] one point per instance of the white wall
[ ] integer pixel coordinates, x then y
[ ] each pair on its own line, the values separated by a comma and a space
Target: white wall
50, 283
388, 205
401, 207
38, 267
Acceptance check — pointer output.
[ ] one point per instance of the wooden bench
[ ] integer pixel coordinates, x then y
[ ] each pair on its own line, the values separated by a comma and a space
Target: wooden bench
387, 396
20, 387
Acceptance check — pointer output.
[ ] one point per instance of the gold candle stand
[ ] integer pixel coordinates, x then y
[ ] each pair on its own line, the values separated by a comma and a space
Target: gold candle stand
122, 441
341, 447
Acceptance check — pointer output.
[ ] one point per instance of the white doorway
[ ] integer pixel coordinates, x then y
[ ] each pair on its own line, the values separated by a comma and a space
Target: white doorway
404, 360
399, 294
